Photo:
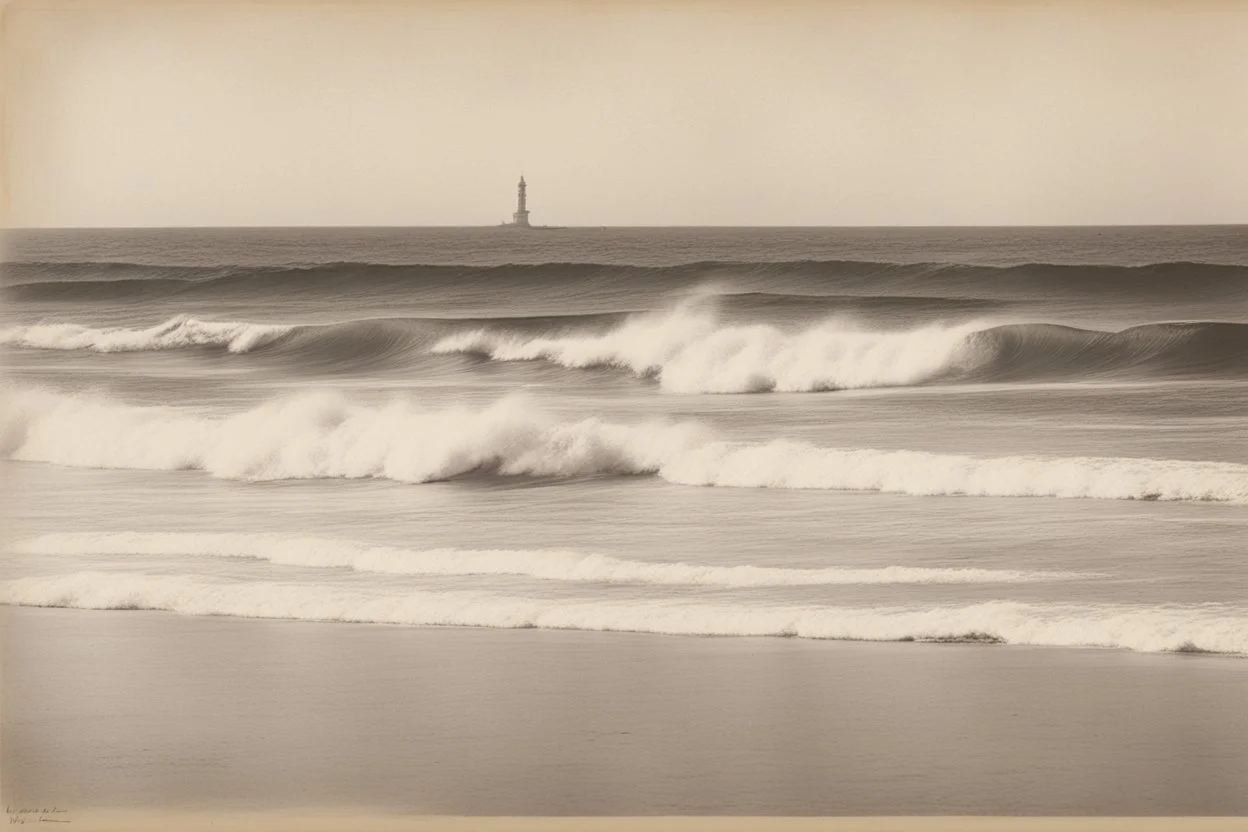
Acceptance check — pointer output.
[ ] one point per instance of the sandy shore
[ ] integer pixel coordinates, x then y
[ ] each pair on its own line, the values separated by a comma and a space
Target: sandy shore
147, 711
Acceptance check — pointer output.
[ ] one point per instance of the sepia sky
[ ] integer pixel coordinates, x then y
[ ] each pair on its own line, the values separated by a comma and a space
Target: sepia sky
625, 113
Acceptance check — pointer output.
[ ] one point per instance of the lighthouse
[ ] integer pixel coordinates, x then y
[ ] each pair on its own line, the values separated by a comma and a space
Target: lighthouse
521, 217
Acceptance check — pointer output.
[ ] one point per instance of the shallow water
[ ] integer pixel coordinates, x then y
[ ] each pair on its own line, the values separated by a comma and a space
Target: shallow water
397, 426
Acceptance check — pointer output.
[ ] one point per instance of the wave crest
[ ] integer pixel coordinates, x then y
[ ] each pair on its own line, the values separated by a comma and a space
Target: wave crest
323, 436
1205, 628
688, 351
176, 333
552, 565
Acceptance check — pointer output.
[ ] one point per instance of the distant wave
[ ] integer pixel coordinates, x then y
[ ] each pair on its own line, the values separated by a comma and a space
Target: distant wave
322, 347
690, 352
552, 565
691, 349
1191, 349
178, 332
105, 281
1202, 628
324, 436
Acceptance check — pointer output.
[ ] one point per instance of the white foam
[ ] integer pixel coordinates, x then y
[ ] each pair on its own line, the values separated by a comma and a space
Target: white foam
175, 333
554, 565
691, 352
784, 464
1208, 627
322, 435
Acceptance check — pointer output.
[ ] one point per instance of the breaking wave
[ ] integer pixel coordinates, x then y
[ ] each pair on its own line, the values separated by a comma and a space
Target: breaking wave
690, 349
322, 435
1202, 628
179, 332
552, 565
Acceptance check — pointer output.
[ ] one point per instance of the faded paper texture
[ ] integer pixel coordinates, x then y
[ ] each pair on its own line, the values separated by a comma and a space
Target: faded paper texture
604, 415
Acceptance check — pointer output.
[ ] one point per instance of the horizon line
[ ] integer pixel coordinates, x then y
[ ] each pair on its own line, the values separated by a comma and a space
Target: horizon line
596, 226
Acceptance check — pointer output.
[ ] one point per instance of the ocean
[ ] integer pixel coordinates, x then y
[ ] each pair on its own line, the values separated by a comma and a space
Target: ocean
964, 444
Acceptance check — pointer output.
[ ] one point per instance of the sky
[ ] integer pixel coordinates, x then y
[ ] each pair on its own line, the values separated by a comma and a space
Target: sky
624, 113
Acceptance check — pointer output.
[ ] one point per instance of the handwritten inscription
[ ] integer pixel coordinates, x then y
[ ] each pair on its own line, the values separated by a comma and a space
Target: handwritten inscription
44, 814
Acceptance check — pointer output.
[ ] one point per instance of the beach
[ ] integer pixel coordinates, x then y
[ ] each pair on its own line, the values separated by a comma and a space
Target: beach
625, 523
146, 710
624, 417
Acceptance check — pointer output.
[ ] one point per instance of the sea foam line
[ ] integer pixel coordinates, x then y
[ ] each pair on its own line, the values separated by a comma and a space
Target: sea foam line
176, 333
323, 435
1204, 628
553, 565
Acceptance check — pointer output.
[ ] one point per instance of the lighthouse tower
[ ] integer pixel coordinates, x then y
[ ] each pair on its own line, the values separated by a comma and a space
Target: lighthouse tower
521, 217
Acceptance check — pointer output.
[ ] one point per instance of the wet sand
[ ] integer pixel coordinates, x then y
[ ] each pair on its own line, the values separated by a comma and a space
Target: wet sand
124, 711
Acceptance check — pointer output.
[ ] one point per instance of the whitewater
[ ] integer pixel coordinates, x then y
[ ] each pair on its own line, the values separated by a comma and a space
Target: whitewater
691, 349
803, 433
317, 436
1210, 629
178, 332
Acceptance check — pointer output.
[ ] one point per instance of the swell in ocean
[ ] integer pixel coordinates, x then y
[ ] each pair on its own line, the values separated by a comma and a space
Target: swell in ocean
117, 281
693, 349
325, 436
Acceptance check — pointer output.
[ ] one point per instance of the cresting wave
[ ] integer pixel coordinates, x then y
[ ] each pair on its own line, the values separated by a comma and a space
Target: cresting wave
1201, 628
690, 350
178, 332
380, 342
552, 565
322, 435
